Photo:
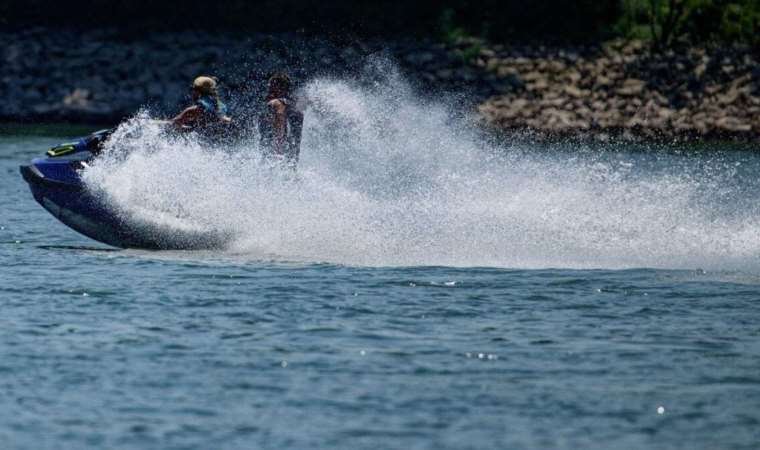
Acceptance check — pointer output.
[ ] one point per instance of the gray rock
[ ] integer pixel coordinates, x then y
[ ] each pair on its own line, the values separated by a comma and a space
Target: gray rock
420, 58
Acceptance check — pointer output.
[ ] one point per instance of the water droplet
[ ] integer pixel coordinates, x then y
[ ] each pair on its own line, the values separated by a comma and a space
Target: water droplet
284, 364
660, 410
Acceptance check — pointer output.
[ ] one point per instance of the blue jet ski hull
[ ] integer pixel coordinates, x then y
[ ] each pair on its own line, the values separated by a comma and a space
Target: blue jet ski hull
56, 185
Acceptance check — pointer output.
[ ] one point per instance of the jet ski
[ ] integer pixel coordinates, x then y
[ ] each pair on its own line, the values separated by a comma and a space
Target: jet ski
56, 184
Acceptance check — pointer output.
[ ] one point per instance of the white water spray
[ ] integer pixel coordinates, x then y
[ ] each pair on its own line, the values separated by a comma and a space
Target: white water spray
387, 178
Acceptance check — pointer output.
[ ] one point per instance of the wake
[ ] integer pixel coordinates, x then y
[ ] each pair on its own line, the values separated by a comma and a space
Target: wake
387, 178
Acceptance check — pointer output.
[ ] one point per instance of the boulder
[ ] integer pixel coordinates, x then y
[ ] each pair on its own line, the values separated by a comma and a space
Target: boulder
538, 85
556, 66
732, 124
573, 76
533, 76
506, 70
573, 91
700, 69
78, 98
444, 74
631, 87
419, 58
601, 82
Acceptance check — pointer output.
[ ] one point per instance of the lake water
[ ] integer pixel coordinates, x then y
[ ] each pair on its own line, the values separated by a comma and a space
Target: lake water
415, 286
105, 348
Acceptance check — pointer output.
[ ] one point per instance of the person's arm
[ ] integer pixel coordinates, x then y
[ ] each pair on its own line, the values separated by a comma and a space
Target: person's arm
279, 126
186, 117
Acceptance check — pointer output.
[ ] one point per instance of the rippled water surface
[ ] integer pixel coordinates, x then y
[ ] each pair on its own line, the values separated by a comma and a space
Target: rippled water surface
269, 346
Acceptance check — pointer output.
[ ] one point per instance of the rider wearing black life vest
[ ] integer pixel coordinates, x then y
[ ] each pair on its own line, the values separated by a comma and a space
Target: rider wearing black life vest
207, 115
281, 123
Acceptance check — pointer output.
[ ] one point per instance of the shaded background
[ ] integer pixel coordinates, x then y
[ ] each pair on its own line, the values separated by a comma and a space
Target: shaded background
657, 67
493, 17
695, 20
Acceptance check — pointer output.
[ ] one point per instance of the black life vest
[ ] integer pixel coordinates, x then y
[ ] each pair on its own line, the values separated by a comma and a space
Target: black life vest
294, 127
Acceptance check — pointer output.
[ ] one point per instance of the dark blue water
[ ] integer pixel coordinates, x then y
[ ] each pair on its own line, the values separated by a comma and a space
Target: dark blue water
104, 348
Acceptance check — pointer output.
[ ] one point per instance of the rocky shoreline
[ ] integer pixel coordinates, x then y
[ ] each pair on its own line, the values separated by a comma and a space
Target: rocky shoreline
612, 89
623, 88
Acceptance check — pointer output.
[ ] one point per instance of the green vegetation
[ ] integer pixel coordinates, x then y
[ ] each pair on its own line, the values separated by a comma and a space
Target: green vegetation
664, 22
450, 31
469, 46
661, 22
